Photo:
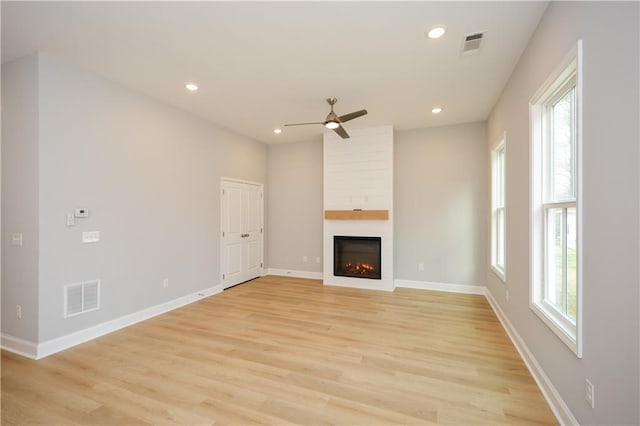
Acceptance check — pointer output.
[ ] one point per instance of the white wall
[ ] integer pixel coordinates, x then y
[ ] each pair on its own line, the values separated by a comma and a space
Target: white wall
149, 175
294, 206
441, 204
20, 197
610, 236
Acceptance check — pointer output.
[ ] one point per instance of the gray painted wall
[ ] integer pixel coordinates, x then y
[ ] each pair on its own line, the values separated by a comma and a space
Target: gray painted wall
149, 175
440, 205
440, 186
20, 197
294, 205
610, 234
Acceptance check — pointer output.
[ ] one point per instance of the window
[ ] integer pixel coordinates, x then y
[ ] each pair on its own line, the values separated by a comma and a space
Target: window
556, 213
497, 209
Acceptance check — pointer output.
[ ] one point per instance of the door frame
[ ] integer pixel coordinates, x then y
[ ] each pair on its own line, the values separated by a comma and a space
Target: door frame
224, 179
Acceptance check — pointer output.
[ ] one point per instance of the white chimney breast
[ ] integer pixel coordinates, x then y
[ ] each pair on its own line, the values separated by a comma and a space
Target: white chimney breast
358, 174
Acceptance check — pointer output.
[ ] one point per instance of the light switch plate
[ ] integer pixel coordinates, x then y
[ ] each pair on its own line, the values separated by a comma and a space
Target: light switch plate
91, 236
81, 212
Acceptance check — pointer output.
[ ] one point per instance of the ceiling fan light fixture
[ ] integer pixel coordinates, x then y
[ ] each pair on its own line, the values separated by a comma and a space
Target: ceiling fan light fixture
334, 121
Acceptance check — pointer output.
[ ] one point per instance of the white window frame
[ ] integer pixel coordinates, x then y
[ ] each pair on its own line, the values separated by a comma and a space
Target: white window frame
498, 208
570, 68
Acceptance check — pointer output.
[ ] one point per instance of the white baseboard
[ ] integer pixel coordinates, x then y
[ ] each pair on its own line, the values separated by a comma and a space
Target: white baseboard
558, 406
451, 288
19, 346
420, 285
52, 346
295, 274
375, 285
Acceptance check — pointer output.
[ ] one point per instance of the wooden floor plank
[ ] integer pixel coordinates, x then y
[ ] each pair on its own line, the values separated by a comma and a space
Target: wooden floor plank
287, 351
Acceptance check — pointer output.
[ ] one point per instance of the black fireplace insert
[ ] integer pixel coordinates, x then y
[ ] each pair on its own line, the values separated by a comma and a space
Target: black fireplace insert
357, 257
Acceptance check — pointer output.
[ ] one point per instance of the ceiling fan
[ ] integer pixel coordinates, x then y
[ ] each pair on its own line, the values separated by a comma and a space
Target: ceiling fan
333, 121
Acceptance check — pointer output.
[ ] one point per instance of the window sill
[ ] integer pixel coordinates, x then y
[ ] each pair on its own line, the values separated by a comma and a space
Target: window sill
565, 334
499, 273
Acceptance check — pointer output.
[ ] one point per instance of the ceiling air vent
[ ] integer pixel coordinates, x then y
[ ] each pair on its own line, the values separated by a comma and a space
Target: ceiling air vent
472, 43
81, 297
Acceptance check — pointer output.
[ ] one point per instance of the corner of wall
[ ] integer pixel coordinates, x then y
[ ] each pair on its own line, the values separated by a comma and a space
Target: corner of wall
20, 198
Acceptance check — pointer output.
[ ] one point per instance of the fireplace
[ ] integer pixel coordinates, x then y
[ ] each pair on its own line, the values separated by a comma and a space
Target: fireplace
357, 257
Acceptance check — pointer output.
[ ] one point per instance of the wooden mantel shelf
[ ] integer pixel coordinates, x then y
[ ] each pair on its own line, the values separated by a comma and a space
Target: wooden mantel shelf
356, 214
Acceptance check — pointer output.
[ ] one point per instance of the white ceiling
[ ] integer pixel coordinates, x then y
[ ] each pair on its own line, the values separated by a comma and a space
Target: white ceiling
260, 65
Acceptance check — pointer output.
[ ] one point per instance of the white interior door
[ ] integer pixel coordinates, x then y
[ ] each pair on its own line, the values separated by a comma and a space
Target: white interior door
242, 230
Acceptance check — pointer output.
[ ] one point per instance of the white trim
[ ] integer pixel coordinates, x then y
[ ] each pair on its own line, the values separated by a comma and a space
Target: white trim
558, 73
64, 342
363, 284
556, 403
572, 338
19, 346
248, 182
500, 147
291, 273
223, 260
580, 204
498, 273
451, 288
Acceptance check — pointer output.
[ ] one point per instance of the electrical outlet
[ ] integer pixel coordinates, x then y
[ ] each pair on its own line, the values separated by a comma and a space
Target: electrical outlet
305, 259
165, 283
16, 239
19, 311
420, 266
506, 295
589, 393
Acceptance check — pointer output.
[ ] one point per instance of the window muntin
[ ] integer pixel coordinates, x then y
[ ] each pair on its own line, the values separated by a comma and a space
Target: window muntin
556, 214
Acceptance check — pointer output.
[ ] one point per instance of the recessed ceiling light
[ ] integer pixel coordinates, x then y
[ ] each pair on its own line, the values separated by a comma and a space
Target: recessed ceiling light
191, 87
277, 131
436, 32
436, 110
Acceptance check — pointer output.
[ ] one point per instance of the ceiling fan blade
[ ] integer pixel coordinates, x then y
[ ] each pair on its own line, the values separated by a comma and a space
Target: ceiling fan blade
342, 132
352, 115
304, 124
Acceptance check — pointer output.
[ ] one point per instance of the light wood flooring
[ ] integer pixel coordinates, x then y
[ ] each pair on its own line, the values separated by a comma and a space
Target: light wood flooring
287, 351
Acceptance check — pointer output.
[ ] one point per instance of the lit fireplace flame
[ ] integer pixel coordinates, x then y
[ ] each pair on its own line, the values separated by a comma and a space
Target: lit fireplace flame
359, 268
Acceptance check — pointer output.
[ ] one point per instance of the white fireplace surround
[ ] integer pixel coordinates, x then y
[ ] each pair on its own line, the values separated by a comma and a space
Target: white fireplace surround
358, 174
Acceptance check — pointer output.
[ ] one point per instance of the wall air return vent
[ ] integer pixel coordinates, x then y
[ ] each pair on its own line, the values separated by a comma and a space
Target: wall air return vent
472, 43
81, 297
